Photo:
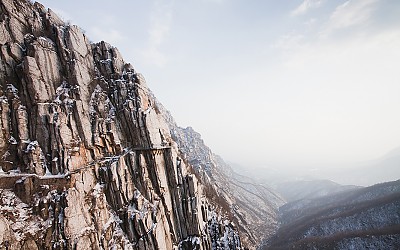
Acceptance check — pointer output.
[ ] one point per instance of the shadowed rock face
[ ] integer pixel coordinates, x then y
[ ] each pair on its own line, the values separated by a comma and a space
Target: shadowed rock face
87, 161
253, 207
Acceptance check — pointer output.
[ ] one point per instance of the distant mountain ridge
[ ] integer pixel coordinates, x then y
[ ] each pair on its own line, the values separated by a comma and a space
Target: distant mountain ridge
365, 218
309, 189
90, 161
382, 169
254, 207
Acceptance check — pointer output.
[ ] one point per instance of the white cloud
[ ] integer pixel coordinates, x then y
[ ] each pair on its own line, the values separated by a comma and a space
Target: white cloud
160, 24
305, 6
352, 12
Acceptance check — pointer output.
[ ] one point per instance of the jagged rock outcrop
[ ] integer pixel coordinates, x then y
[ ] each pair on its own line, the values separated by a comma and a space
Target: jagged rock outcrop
252, 207
86, 158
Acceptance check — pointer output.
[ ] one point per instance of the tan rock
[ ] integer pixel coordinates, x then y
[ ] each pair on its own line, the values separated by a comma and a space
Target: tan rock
35, 159
53, 18
80, 112
77, 42
4, 123
16, 52
45, 54
77, 216
16, 29
4, 230
37, 88
29, 245
5, 36
22, 121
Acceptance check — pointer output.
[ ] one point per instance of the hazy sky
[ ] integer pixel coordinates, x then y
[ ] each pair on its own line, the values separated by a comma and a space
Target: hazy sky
301, 83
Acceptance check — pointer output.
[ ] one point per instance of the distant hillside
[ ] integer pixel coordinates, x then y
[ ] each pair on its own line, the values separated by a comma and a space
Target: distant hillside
365, 218
253, 208
309, 189
384, 169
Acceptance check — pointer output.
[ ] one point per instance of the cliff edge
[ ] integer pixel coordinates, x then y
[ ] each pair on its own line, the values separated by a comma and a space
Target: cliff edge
87, 159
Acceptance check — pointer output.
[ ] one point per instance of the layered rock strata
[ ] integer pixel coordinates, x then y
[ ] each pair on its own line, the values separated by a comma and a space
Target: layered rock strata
252, 207
87, 160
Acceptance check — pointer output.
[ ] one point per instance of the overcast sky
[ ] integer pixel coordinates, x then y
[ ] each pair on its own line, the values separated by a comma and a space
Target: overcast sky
298, 83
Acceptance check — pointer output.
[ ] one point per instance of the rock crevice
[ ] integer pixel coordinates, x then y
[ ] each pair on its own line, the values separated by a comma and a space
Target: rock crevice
87, 160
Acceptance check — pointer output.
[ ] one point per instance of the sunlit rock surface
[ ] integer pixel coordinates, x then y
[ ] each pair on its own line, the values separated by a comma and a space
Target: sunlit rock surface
253, 207
87, 160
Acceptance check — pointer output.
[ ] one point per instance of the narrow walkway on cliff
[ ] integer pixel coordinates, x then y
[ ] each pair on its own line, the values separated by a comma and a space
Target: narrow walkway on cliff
10, 178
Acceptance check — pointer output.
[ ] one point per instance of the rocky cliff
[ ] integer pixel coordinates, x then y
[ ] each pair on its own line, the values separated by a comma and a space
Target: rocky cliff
87, 159
253, 207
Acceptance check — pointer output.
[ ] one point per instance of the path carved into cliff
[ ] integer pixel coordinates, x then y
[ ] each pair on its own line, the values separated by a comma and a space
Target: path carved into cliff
28, 184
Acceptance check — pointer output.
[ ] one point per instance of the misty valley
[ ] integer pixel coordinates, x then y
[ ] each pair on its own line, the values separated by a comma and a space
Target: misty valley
90, 158
321, 214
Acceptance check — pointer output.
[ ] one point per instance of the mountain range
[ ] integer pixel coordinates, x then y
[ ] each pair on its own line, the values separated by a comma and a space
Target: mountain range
90, 159
362, 218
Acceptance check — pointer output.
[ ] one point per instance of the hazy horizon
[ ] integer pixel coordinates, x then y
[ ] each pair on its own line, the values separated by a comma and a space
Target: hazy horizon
294, 84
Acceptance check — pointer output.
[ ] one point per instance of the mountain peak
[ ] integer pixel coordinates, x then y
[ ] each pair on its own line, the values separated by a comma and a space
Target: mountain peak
91, 159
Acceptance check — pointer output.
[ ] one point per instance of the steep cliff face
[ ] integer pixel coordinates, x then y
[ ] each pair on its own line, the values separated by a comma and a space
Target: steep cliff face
253, 207
87, 160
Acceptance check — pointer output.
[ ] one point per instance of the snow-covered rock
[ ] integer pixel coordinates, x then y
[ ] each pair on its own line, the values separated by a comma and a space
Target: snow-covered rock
87, 159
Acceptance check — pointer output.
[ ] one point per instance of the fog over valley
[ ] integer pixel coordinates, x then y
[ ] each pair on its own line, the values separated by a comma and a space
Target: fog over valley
200, 124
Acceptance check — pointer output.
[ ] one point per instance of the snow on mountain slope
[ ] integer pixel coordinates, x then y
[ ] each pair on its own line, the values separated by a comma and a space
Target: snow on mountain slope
356, 219
87, 160
308, 189
254, 207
